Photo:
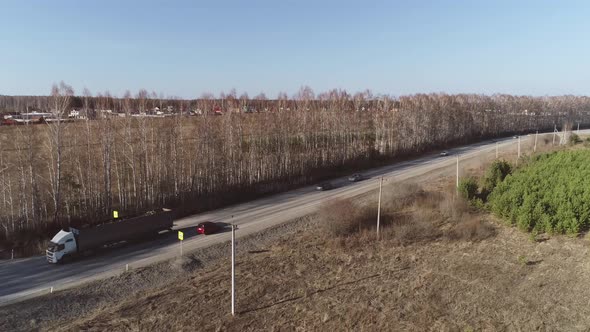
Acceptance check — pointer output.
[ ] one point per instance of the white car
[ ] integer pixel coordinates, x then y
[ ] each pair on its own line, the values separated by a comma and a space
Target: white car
444, 154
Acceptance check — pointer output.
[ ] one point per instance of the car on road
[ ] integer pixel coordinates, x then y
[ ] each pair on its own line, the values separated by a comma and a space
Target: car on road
324, 186
356, 177
208, 227
515, 136
444, 153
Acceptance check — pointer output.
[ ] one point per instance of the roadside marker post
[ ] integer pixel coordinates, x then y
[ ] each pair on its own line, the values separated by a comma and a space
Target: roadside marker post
519, 146
457, 171
536, 135
181, 238
379, 206
233, 269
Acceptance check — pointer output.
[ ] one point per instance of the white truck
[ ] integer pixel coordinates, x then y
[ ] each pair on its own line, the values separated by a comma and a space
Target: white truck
67, 244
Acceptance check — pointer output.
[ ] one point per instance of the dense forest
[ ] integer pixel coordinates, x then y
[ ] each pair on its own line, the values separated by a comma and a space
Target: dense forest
70, 173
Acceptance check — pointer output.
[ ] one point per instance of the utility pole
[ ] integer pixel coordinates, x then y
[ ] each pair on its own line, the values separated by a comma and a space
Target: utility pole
233, 269
457, 171
496, 150
379, 205
536, 135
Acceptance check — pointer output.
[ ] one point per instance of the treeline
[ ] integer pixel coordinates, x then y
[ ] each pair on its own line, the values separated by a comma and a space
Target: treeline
63, 174
144, 101
305, 98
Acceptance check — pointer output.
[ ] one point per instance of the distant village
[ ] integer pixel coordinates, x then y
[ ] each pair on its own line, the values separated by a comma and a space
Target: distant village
39, 117
20, 110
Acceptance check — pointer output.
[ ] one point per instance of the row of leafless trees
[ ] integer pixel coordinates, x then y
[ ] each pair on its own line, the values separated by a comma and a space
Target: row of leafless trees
143, 101
73, 173
331, 100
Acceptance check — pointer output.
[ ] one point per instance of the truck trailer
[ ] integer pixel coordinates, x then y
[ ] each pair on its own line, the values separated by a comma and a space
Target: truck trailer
70, 243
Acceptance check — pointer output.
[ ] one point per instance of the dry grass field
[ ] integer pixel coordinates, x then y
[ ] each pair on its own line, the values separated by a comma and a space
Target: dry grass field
437, 266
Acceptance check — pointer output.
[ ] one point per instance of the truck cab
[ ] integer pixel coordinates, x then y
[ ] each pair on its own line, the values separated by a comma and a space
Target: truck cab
60, 246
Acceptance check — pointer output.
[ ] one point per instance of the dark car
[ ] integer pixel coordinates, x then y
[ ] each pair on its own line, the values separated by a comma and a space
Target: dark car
324, 186
208, 227
355, 177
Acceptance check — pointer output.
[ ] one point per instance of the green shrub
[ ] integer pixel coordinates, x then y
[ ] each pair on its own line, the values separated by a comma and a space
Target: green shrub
468, 188
551, 194
478, 203
497, 172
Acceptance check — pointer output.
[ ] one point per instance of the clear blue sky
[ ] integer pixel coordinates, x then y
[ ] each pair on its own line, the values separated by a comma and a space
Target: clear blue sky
185, 48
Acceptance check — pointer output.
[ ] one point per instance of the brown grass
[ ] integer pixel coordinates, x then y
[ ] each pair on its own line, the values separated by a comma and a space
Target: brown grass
471, 228
434, 263
305, 284
410, 215
401, 197
453, 207
345, 217
411, 231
